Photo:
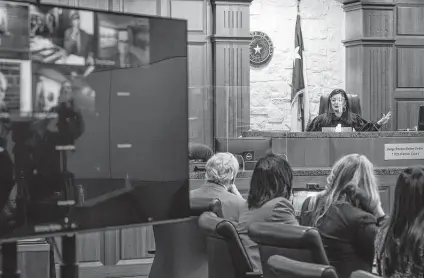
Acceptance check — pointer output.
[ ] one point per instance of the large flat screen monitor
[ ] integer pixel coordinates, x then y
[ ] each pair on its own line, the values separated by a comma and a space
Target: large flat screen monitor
93, 120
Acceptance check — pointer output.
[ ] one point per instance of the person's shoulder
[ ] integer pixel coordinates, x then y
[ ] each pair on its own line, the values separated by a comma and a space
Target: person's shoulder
356, 215
277, 204
320, 117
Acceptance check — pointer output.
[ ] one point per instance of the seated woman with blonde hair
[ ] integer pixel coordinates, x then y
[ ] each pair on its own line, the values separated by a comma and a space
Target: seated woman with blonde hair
221, 172
347, 214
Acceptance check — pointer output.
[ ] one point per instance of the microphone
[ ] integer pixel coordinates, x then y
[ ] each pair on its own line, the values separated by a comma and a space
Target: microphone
197, 151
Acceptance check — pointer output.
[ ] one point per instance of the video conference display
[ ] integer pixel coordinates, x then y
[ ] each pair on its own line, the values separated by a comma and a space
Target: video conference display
76, 88
33, 36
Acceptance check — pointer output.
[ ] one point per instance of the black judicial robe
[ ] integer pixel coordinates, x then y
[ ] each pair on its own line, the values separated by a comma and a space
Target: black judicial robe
358, 123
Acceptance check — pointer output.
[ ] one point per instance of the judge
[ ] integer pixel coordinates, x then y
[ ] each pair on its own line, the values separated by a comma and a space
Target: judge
339, 113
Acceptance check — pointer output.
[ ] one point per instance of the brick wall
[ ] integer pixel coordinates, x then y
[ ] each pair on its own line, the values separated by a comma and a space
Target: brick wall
322, 25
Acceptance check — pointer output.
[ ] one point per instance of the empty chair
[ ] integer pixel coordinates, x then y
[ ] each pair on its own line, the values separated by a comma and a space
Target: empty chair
226, 255
282, 267
181, 246
295, 242
362, 274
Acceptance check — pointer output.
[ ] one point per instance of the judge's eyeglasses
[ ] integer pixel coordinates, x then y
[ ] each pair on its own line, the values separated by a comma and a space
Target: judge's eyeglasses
337, 99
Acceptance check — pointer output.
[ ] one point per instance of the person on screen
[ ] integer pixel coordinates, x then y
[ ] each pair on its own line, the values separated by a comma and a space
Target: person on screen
268, 201
221, 172
124, 58
399, 245
77, 41
339, 113
4, 22
3, 89
348, 214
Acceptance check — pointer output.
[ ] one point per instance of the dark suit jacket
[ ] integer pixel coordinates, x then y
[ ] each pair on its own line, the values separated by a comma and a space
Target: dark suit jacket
71, 46
230, 202
348, 234
276, 210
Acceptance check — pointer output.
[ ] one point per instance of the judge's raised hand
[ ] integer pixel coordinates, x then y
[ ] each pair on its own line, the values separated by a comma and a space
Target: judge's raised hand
385, 119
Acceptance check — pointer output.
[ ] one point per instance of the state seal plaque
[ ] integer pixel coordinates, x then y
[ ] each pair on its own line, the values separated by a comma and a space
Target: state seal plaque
261, 49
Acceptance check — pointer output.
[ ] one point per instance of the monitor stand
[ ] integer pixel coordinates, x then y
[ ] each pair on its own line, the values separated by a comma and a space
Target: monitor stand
9, 252
69, 266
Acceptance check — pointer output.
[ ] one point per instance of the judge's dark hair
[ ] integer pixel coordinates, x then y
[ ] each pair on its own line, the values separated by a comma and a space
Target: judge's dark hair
404, 237
271, 178
347, 116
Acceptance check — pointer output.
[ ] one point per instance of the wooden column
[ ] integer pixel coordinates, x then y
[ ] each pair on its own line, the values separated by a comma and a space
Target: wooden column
231, 67
385, 58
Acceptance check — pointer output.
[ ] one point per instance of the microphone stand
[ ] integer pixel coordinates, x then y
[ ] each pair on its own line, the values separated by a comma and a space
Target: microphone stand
69, 267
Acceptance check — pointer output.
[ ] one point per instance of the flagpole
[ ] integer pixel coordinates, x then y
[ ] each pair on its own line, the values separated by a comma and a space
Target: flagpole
305, 93
301, 99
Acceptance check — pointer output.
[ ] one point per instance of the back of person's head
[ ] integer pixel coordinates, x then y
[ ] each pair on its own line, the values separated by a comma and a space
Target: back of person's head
222, 168
403, 234
271, 178
197, 151
352, 170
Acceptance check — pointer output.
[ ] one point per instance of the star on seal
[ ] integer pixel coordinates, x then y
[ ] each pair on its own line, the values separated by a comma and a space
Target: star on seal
261, 49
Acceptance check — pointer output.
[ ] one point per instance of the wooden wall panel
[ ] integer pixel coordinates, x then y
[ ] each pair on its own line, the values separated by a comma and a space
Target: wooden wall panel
379, 76
91, 249
135, 243
410, 20
378, 23
231, 68
192, 11
354, 23
408, 119
146, 7
230, 76
200, 94
92, 4
354, 58
410, 67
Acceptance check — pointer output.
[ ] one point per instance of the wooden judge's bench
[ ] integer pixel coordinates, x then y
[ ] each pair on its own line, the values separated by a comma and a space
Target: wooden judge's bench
312, 154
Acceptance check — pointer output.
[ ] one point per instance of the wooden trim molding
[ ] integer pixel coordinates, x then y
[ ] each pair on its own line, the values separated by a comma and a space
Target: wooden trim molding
367, 2
368, 41
231, 1
230, 39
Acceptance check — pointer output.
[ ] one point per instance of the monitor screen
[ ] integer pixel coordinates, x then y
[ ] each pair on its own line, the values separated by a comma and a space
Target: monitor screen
247, 150
90, 134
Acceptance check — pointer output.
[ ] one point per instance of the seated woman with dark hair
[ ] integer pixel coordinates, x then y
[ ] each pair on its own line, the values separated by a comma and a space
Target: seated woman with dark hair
268, 201
339, 113
400, 244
